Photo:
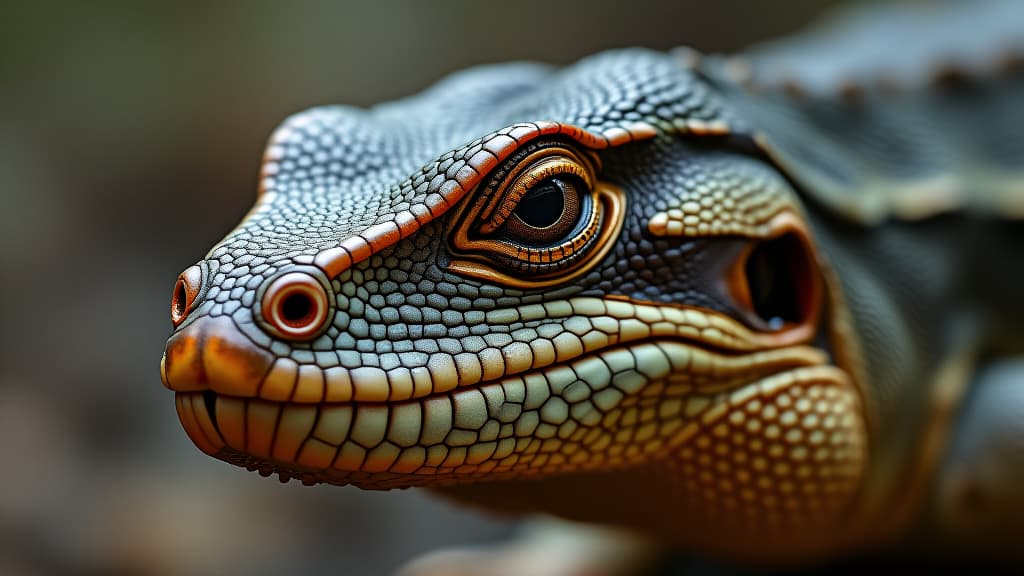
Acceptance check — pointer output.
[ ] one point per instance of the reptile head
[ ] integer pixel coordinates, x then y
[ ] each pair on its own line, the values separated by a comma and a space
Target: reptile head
612, 280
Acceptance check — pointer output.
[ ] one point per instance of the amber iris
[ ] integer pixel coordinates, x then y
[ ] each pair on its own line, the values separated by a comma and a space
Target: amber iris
547, 213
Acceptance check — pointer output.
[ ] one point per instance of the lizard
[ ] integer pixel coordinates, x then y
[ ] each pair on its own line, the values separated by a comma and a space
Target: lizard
732, 303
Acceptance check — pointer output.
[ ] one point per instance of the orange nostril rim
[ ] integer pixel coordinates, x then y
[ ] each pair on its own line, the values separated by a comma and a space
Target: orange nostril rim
295, 306
186, 289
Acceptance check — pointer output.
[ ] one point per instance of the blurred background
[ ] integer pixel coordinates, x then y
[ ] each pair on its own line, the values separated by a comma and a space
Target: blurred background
130, 139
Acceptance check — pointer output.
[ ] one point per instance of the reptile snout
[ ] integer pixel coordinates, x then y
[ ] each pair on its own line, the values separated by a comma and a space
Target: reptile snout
211, 354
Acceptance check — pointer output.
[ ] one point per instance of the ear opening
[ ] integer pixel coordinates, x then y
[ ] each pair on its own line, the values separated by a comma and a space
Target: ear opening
777, 282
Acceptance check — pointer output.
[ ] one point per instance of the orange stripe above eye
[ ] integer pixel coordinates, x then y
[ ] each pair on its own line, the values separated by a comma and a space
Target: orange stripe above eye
496, 147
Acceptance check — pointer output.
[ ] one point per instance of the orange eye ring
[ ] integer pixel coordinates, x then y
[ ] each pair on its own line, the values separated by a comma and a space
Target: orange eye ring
295, 306
186, 290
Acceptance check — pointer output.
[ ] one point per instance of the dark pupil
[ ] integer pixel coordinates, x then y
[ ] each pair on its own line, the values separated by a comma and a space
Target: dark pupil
543, 204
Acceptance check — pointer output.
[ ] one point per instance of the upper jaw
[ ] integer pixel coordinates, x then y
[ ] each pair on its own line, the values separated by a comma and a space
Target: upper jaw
211, 354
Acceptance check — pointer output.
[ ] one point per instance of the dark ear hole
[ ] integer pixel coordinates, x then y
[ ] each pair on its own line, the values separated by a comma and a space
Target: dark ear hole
179, 302
780, 281
297, 309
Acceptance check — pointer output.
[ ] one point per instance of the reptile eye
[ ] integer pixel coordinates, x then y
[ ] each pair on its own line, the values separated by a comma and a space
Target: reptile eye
541, 217
186, 289
547, 212
295, 306
777, 283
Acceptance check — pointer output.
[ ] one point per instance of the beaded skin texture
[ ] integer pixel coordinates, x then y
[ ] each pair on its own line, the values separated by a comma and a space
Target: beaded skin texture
644, 362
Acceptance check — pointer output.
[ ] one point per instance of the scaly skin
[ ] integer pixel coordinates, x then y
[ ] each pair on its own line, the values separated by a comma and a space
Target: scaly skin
627, 377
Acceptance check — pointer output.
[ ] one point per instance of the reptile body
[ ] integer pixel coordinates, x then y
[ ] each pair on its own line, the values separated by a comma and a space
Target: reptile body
692, 296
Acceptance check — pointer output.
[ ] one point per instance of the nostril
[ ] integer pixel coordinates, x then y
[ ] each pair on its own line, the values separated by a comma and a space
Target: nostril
179, 302
186, 289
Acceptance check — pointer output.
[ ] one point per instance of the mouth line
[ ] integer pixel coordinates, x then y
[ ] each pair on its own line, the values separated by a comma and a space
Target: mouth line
210, 403
757, 371
221, 358
206, 434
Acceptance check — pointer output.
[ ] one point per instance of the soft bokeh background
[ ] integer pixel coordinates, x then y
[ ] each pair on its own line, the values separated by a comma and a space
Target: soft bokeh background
130, 136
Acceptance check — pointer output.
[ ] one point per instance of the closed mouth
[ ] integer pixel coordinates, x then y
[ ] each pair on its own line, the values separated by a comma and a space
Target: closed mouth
434, 439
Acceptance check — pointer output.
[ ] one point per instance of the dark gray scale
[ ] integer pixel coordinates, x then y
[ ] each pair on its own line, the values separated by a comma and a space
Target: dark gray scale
894, 47
901, 116
657, 175
977, 503
998, 136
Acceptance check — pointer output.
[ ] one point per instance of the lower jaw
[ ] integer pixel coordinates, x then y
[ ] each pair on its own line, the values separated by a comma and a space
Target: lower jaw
804, 421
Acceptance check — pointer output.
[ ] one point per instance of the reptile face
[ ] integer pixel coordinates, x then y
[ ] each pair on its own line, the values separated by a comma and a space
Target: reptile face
626, 288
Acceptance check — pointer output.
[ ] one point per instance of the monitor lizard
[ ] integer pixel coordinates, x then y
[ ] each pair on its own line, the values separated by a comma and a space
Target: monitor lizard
730, 303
